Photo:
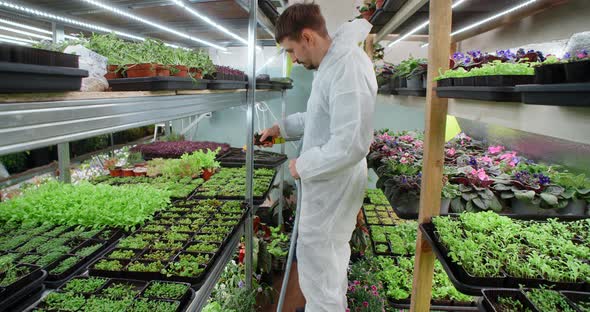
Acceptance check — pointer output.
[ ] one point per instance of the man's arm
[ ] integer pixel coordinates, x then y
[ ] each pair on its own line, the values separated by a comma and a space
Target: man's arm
291, 127
351, 114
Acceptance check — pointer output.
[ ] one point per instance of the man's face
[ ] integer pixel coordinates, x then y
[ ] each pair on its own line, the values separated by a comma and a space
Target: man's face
299, 51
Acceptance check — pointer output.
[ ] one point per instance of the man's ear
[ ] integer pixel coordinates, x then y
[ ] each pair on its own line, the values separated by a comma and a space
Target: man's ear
307, 36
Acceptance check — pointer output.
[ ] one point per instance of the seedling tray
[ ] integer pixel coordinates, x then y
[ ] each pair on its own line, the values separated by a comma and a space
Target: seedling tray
157, 84
226, 84
496, 94
264, 85
26, 294
411, 92
490, 299
236, 157
392, 216
26, 55
258, 200
566, 94
437, 305
38, 78
472, 285
461, 280
278, 85
574, 297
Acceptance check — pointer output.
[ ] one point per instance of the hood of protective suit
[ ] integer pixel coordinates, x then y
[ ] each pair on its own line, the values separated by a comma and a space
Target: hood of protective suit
348, 35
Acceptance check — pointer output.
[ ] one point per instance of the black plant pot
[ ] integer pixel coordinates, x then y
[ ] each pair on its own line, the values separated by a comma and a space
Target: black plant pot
577, 71
550, 73
465, 82
447, 82
402, 82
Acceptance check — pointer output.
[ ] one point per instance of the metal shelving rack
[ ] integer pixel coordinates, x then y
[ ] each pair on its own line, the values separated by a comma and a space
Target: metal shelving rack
37, 120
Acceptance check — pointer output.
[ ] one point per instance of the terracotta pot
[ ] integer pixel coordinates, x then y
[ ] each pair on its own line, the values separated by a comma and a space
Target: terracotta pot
113, 72
197, 73
379, 4
367, 14
141, 70
182, 71
207, 173
140, 171
128, 172
117, 172
163, 71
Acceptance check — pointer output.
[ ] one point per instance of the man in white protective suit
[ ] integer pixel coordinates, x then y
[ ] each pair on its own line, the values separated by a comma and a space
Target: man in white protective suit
337, 132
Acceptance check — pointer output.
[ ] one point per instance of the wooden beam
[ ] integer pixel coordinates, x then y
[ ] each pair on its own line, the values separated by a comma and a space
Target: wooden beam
434, 142
530, 10
405, 12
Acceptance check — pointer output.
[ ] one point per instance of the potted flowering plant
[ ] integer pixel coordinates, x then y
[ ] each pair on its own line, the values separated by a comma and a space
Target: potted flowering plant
367, 10
475, 187
551, 70
364, 297
111, 165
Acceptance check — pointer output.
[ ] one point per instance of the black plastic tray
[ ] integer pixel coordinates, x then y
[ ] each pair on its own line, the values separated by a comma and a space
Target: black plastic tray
264, 85
565, 94
490, 297
26, 55
226, 84
452, 269
157, 83
497, 94
258, 200
437, 306
16, 77
575, 296
236, 158
411, 92
472, 285
381, 17
25, 295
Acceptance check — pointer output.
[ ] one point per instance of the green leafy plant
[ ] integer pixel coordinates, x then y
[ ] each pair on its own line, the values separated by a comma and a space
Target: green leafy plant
187, 265
146, 305
279, 243
87, 251
154, 266
203, 247
122, 254
109, 265
165, 290
508, 304
120, 291
100, 304
65, 265
549, 300
63, 301
83, 285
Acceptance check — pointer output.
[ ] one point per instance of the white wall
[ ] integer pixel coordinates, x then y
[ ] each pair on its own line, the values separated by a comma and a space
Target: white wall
404, 50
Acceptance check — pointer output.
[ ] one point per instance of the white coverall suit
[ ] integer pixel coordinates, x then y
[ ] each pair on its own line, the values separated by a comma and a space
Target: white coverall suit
338, 132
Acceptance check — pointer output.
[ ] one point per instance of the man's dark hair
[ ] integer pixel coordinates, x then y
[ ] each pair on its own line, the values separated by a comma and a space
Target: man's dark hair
298, 17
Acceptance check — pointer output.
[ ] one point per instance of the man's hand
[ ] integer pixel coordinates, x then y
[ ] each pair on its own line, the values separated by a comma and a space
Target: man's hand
293, 169
273, 131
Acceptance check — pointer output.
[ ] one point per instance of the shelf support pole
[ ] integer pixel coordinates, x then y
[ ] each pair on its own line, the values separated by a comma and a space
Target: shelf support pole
284, 145
63, 156
434, 142
58, 32
250, 140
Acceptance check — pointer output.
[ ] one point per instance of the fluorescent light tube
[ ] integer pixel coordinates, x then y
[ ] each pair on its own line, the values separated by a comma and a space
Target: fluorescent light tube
15, 42
17, 39
155, 25
26, 33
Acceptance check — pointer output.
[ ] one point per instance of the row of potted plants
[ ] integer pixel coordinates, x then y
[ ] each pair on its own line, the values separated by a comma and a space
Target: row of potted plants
409, 73
177, 188
103, 294
509, 252
177, 245
506, 68
476, 177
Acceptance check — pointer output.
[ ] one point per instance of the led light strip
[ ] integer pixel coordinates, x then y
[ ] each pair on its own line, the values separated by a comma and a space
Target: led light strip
207, 20
14, 41
155, 25
26, 33
17, 39
11, 23
489, 19
413, 31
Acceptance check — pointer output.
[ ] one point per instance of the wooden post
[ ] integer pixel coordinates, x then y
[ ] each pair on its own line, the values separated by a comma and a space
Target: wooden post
434, 141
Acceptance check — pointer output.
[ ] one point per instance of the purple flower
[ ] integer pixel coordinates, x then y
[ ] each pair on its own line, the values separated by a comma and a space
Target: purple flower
473, 162
543, 180
241, 284
567, 56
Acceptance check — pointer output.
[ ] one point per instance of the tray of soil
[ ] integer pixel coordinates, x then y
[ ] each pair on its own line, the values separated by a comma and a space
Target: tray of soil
463, 281
496, 94
33, 56
16, 77
565, 94
411, 92
498, 300
236, 157
164, 290
157, 83
18, 277
26, 293
226, 84
437, 305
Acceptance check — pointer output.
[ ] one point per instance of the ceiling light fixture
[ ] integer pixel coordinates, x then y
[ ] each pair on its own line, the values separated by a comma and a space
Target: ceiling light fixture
15, 24
424, 24
155, 25
491, 18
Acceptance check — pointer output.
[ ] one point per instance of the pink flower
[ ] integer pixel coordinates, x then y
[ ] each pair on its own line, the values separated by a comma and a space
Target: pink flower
357, 282
451, 151
495, 149
352, 288
481, 174
347, 310
406, 138
404, 160
486, 159
365, 304
418, 144
376, 294
373, 288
